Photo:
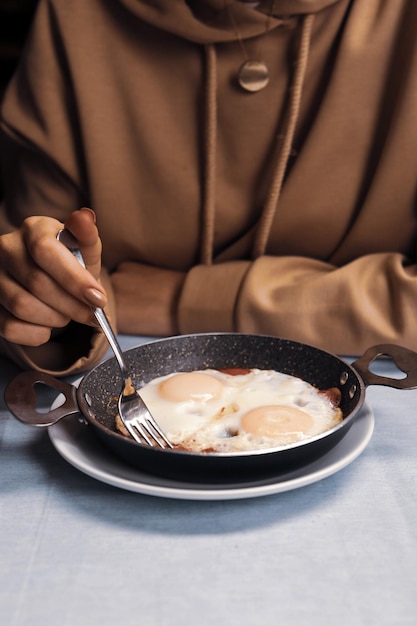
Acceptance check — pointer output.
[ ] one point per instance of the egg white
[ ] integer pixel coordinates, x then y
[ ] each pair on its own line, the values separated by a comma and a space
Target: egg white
214, 424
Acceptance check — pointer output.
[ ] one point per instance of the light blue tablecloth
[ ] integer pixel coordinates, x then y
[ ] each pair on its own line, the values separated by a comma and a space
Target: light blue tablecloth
75, 551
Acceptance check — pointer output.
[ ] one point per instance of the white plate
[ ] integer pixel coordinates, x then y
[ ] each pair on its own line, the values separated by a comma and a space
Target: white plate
80, 447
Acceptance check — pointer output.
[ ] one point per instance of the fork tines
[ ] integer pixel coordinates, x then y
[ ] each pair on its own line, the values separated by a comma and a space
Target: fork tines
149, 432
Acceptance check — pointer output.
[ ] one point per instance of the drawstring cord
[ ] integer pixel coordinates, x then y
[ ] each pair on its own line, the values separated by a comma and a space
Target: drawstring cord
209, 203
268, 213
209, 200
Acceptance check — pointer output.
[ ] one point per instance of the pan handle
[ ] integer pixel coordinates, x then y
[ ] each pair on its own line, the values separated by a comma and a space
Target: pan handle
20, 397
404, 359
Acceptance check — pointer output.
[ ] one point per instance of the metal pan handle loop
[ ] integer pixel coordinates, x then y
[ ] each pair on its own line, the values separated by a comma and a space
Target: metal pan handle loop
404, 359
20, 397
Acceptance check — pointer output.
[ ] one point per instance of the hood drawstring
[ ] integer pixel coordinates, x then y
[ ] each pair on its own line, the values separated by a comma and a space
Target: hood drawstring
268, 213
209, 201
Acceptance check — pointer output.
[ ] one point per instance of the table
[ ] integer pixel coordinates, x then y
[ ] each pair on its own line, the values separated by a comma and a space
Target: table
76, 551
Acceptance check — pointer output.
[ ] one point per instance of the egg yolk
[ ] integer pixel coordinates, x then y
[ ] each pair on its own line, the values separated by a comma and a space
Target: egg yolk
190, 386
269, 421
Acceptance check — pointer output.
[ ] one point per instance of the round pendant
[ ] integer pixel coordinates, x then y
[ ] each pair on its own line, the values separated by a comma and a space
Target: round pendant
253, 76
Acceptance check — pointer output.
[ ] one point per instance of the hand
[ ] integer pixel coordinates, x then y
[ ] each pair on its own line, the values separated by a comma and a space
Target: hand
146, 299
42, 286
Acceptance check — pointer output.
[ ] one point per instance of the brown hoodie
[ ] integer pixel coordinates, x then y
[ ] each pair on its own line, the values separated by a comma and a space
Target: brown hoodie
292, 210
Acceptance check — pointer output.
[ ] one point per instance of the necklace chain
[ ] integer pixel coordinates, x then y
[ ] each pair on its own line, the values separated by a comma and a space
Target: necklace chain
253, 75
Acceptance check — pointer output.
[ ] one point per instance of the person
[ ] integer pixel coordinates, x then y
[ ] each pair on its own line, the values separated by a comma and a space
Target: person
225, 166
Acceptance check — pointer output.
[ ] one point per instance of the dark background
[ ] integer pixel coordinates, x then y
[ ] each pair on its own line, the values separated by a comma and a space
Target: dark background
15, 20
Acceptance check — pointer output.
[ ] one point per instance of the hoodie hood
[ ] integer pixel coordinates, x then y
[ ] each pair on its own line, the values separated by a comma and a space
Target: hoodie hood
208, 21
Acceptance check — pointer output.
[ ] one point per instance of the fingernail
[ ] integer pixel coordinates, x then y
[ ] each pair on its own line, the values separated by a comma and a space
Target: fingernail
92, 213
95, 297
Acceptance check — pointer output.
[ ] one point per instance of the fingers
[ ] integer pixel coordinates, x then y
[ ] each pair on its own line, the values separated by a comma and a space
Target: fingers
82, 225
42, 286
27, 320
23, 318
53, 258
17, 331
26, 306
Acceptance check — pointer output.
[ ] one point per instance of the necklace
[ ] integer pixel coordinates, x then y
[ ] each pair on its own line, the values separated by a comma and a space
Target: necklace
253, 74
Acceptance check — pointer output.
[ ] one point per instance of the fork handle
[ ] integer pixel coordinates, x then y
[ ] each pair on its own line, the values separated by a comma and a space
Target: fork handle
70, 242
103, 320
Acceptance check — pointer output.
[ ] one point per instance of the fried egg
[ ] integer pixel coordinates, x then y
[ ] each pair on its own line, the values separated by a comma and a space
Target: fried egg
216, 411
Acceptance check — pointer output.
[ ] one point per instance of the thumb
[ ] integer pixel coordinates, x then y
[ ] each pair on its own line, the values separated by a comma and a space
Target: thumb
82, 224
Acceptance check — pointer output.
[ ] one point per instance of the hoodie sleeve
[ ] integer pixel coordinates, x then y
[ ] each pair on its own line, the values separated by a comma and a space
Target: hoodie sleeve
345, 310
40, 164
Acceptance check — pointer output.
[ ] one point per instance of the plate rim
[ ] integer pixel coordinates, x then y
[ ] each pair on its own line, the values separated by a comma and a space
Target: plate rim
340, 456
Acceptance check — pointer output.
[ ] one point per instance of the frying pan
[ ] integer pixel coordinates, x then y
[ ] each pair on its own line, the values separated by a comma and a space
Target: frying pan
95, 399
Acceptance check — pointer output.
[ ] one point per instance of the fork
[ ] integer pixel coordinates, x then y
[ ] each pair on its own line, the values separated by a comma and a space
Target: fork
133, 411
